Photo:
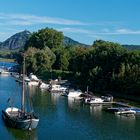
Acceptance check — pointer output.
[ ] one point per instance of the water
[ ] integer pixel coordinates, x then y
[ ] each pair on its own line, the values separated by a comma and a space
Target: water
7, 64
63, 119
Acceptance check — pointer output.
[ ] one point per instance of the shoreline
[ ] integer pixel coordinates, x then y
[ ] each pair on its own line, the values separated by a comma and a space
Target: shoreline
6, 60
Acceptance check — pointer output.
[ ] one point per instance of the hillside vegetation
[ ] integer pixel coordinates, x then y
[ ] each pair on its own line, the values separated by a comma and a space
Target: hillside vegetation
105, 66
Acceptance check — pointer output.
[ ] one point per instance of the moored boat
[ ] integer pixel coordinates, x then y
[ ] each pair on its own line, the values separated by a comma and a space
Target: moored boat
125, 111
95, 100
121, 111
15, 118
57, 88
44, 86
4, 72
73, 93
19, 118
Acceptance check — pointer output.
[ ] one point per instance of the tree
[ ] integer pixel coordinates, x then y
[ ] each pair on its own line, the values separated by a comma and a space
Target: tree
39, 60
45, 38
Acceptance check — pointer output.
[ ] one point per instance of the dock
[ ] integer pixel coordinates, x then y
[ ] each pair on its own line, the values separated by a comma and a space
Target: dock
102, 103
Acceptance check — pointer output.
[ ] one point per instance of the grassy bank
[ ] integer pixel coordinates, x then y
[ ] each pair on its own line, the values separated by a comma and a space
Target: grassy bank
6, 60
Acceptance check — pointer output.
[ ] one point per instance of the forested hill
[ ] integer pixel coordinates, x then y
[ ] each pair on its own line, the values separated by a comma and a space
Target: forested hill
18, 40
70, 42
132, 47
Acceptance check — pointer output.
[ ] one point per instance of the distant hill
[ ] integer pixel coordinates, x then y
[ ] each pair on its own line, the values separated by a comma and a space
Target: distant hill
16, 41
70, 42
132, 47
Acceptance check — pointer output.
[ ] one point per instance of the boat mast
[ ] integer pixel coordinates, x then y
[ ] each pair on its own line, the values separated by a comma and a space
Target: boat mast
23, 84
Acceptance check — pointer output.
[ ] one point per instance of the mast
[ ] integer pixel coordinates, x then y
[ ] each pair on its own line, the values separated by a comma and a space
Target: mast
23, 84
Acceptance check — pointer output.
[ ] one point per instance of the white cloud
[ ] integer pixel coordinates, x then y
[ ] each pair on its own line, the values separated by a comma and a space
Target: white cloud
25, 19
102, 32
127, 31
120, 32
75, 30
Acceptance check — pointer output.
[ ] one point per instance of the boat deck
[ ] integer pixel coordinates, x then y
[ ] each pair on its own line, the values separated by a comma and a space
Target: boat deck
14, 113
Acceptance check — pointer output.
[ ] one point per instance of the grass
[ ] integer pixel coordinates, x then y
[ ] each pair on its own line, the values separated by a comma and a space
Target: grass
6, 60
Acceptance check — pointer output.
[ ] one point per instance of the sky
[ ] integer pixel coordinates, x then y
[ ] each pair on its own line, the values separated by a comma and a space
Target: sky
82, 20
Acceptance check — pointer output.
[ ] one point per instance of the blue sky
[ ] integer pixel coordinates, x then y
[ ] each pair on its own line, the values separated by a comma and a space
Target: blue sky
82, 20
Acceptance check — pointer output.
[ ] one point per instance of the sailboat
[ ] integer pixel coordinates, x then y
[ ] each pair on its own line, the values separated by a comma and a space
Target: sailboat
18, 117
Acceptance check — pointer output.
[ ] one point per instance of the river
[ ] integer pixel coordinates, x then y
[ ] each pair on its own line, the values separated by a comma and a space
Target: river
7, 64
63, 119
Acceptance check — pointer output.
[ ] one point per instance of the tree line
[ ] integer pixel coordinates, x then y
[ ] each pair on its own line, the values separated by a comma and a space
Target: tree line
105, 66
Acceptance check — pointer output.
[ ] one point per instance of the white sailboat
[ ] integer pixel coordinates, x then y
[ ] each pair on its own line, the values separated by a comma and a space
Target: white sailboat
18, 118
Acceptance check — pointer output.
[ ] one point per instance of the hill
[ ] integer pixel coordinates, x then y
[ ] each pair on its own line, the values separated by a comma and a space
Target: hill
16, 41
132, 47
70, 42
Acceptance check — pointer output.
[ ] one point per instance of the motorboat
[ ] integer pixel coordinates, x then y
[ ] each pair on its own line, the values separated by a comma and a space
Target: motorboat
4, 72
125, 111
19, 78
121, 111
34, 81
57, 88
74, 93
33, 77
107, 98
95, 100
44, 86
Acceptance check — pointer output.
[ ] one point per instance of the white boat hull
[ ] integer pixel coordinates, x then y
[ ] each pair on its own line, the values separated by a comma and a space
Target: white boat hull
13, 119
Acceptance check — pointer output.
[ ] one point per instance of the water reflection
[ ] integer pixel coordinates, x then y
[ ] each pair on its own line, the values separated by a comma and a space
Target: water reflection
74, 104
96, 110
23, 135
126, 118
32, 90
66, 118
55, 98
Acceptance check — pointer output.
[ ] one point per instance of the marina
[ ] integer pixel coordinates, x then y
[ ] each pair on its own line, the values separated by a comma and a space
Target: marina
59, 114
70, 70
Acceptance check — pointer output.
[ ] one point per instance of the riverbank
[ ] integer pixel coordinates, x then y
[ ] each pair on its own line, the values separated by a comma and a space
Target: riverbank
6, 60
54, 74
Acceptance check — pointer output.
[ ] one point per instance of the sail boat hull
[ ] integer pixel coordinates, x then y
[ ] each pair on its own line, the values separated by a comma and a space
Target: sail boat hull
13, 118
18, 118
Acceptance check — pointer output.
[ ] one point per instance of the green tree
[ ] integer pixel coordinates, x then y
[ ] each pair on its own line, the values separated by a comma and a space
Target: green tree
45, 38
39, 60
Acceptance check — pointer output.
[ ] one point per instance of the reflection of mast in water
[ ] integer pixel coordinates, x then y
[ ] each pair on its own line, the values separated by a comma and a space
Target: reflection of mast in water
73, 103
55, 97
96, 109
70, 102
